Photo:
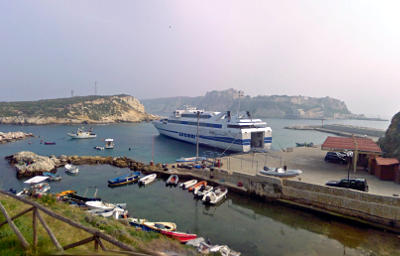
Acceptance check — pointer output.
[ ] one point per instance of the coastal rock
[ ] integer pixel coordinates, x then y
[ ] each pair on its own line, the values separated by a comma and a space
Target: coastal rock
75, 110
390, 143
13, 136
29, 164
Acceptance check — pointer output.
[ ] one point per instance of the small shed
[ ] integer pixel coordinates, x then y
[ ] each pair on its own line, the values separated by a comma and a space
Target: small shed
363, 148
386, 168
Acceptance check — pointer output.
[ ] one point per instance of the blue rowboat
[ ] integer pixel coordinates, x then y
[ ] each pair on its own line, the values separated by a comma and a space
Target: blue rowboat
124, 179
52, 176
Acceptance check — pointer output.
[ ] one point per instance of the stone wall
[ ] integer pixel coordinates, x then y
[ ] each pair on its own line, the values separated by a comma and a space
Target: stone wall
376, 208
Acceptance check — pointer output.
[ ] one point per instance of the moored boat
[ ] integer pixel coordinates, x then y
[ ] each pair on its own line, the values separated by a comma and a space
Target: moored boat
65, 193
172, 180
103, 206
280, 172
49, 143
160, 226
71, 169
147, 179
240, 132
124, 179
82, 134
188, 184
52, 176
190, 159
109, 143
181, 236
39, 189
201, 191
215, 196
197, 185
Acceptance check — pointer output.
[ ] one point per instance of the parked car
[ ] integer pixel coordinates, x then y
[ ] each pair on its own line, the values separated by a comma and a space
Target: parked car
336, 157
357, 183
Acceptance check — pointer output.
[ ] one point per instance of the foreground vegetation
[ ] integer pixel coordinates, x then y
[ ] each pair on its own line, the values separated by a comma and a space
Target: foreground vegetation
146, 242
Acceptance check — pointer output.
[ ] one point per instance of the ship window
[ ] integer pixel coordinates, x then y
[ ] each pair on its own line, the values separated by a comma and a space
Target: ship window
195, 116
241, 126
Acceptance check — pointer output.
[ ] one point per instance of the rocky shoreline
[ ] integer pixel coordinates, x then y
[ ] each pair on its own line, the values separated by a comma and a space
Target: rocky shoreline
13, 136
29, 164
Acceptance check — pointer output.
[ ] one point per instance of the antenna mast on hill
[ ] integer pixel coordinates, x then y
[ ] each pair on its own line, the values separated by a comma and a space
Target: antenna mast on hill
95, 87
72, 93
240, 94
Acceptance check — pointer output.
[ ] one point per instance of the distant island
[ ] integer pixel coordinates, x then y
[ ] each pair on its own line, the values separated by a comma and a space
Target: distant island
75, 110
263, 106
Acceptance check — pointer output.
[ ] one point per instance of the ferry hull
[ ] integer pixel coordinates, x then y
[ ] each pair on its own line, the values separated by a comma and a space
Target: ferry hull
239, 142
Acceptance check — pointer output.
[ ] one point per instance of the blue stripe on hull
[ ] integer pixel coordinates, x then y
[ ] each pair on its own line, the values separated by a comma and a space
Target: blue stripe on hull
244, 142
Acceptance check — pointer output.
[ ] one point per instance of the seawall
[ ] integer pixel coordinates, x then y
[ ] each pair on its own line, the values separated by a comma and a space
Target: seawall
375, 210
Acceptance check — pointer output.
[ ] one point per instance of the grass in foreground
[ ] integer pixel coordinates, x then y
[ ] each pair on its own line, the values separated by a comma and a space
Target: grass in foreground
147, 242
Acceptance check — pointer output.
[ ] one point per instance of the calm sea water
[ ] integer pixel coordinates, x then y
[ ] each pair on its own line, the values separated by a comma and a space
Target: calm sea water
247, 225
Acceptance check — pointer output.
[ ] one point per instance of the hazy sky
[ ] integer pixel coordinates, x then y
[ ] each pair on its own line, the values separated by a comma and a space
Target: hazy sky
344, 49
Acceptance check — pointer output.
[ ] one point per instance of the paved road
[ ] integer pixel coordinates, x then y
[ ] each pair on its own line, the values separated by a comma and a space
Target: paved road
311, 162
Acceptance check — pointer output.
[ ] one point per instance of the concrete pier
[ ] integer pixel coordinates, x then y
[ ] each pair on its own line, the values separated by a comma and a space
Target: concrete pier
343, 130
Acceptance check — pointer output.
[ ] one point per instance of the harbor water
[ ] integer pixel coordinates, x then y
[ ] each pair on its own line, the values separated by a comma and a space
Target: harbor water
247, 225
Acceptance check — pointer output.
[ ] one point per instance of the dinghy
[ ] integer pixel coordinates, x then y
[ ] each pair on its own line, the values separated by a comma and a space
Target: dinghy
197, 185
147, 179
188, 184
65, 193
216, 196
103, 206
190, 159
160, 226
201, 191
173, 180
182, 237
280, 172
124, 179
71, 169
52, 176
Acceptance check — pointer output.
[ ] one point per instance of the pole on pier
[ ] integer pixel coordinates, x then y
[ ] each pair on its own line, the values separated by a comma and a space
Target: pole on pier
197, 136
152, 151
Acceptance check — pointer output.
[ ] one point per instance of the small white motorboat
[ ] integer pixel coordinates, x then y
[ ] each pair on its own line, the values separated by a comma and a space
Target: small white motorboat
216, 196
72, 169
103, 206
173, 180
82, 134
116, 212
109, 143
147, 179
99, 148
188, 184
201, 191
280, 172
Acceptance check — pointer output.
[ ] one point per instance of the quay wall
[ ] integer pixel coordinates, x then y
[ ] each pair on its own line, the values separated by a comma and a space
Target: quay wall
267, 187
379, 209
371, 208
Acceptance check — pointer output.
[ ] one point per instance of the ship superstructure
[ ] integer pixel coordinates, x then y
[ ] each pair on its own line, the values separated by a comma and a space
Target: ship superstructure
222, 130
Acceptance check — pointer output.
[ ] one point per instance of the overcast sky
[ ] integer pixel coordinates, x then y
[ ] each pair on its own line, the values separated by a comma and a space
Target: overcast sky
344, 49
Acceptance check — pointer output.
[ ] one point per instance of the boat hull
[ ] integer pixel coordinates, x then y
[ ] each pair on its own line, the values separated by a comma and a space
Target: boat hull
182, 237
212, 137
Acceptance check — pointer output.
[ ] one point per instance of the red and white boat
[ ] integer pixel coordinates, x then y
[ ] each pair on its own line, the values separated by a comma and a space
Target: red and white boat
181, 236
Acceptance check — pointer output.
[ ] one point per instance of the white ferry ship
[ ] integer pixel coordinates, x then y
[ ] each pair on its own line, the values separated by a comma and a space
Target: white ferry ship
239, 133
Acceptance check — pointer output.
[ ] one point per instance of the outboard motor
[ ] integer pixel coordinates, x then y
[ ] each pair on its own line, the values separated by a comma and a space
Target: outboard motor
208, 199
228, 113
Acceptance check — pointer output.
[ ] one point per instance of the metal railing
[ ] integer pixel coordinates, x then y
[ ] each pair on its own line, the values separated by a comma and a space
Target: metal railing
95, 235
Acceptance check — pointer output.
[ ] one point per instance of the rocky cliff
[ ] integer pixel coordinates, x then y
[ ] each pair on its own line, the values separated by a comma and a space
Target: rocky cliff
390, 143
75, 110
274, 106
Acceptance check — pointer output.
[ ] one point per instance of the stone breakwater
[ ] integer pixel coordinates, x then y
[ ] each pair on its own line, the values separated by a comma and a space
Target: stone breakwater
13, 136
29, 164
